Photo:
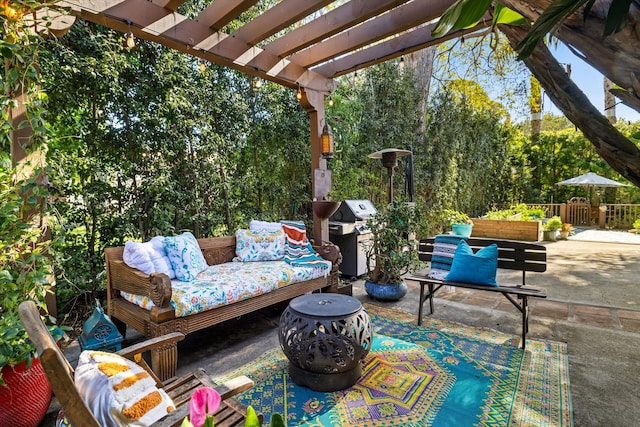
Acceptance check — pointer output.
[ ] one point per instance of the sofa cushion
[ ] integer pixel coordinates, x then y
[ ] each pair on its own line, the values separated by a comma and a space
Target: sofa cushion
260, 245
228, 283
118, 391
185, 256
148, 257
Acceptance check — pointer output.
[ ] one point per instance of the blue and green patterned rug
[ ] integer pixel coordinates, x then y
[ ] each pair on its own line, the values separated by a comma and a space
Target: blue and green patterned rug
438, 374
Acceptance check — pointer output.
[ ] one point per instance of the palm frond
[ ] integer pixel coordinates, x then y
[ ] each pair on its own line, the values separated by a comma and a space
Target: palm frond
552, 16
461, 14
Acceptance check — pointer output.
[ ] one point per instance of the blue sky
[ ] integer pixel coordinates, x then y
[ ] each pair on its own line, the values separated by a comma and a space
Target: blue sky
590, 81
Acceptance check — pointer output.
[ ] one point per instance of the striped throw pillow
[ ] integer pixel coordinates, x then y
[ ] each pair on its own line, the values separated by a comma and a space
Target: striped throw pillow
444, 248
298, 251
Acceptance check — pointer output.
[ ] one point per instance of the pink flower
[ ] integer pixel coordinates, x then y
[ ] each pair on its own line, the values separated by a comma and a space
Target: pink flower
204, 402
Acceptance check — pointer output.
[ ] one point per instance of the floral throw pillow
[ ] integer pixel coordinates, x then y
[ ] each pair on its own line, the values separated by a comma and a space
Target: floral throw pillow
260, 245
185, 256
118, 391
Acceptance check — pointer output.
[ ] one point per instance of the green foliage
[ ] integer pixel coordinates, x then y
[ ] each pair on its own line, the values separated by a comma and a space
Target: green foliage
552, 224
467, 13
462, 164
381, 111
559, 10
456, 217
253, 421
25, 270
519, 212
390, 253
148, 145
636, 225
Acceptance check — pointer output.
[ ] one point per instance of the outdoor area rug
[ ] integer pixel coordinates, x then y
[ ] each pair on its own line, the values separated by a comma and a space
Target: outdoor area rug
438, 374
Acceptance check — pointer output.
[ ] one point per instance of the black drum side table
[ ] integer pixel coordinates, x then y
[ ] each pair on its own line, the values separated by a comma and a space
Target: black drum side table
325, 337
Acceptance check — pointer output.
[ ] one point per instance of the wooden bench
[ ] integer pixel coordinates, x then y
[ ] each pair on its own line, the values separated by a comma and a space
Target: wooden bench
512, 255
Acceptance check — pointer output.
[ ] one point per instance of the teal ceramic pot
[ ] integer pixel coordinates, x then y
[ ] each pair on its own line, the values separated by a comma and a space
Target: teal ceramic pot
385, 292
463, 230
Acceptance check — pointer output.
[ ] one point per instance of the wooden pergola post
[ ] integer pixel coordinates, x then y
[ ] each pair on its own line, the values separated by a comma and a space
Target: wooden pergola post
313, 102
26, 160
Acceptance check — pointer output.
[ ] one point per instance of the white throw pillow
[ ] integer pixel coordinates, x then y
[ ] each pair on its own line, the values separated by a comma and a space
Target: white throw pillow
256, 225
118, 391
148, 257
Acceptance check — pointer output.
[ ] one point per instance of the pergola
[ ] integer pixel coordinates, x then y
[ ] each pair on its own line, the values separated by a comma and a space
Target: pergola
300, 44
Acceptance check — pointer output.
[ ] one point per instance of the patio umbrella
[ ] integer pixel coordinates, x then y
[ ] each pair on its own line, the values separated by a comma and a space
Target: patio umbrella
591, 179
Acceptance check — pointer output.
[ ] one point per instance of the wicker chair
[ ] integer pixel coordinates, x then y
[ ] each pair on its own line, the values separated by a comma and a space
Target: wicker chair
60, 375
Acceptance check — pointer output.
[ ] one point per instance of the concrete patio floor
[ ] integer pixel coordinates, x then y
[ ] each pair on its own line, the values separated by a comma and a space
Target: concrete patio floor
593, 305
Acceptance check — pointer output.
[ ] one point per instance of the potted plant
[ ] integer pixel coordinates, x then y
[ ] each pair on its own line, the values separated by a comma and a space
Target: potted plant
460, 223
565, 229
24, 274
391, 253
550, 228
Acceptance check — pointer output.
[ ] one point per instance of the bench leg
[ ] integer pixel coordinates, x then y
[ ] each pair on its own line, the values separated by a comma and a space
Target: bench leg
421, 301
424, 298
431, 292
525, 320
523, 307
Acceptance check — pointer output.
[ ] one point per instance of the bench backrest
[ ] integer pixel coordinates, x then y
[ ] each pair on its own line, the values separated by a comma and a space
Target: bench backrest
512, 254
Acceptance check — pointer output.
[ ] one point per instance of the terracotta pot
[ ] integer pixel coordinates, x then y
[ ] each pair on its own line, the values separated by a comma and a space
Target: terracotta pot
25, 399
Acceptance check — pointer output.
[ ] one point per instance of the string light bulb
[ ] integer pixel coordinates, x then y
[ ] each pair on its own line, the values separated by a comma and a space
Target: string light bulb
462, 42
202, 66
401, 64
299, 93
258, 83
330, 101
129, 40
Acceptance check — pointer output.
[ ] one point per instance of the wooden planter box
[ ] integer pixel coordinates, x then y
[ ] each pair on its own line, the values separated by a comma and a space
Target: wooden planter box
530, 231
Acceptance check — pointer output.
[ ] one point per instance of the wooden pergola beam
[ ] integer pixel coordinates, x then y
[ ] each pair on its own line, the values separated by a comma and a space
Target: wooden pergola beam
329, 24
220, 12
151, 22
404, 44
396, 21
277, 18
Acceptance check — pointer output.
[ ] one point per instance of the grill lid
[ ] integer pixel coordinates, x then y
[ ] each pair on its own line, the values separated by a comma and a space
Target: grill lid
354, 210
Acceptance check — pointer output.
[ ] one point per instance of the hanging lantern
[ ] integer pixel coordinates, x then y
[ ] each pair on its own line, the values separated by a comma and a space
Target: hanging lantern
327, 142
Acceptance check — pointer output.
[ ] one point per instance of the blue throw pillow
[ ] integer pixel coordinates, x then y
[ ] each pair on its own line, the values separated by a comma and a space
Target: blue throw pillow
185, 256
479, 268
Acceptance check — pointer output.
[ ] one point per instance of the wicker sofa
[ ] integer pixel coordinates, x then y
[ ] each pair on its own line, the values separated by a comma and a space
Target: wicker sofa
161, 318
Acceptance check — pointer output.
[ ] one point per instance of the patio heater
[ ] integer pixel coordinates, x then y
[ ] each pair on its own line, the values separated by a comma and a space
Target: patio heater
389, 158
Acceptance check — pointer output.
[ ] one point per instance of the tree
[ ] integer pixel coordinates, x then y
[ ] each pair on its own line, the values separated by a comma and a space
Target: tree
617, 56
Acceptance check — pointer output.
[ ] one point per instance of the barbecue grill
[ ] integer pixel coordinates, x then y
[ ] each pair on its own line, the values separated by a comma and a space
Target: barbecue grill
349, 231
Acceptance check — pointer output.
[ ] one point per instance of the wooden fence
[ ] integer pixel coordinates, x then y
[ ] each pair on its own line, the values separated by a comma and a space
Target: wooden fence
581, 213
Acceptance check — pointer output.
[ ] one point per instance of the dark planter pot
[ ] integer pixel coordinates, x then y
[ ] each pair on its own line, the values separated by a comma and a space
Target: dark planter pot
25, 399
386, 291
